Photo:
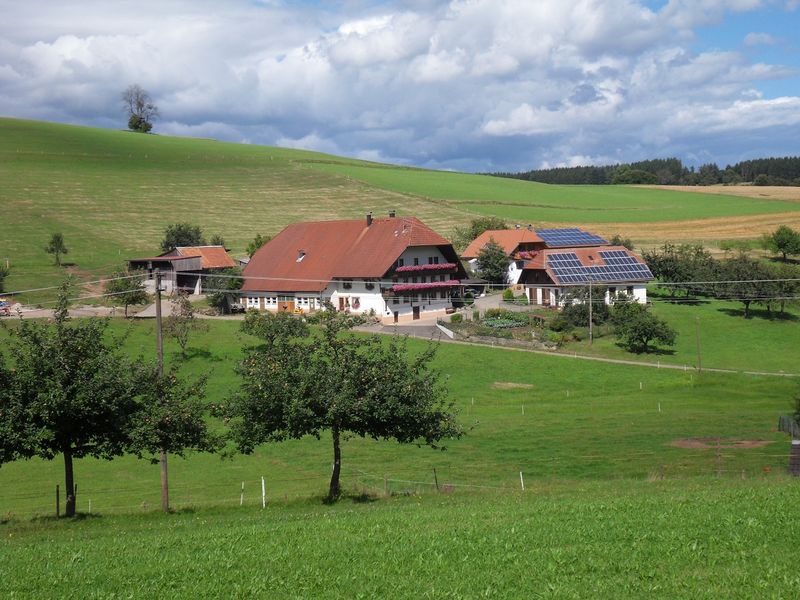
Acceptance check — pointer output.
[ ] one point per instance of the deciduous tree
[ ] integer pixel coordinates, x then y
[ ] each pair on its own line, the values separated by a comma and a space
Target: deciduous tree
70, 393
181, 234
56, 247
222, 289
256, 243
140, 108
181, 321
493, 262
637, 327
462, 236
334, 381
785, 241
126, 288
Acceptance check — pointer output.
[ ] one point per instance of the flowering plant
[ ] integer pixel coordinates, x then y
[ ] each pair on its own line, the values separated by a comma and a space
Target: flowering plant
430, 267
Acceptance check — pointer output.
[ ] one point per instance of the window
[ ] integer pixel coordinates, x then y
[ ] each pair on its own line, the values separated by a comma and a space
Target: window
347, 285
369, 285
416, 261
406, 299
400, 262
629, 289
436, 260
395, 299
414, 279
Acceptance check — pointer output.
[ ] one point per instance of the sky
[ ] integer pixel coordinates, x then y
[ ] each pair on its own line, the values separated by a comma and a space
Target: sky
468, 85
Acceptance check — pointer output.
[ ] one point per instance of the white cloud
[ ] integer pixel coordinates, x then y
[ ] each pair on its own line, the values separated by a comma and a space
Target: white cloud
471, 84
759, 39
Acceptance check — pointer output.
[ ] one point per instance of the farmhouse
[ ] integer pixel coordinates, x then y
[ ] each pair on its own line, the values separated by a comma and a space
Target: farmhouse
184, 267
513, 241
547, 262
394, 267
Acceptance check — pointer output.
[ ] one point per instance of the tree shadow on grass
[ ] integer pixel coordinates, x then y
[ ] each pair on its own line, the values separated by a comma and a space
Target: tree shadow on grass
198, 353
760, 313
650, 351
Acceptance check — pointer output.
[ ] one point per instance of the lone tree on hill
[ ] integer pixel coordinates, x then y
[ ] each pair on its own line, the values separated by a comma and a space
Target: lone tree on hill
140, 108
56, 247
493, 262
181, 234
303, 384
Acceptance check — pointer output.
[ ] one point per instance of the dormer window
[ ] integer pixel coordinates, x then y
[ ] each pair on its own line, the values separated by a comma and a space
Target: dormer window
301, 254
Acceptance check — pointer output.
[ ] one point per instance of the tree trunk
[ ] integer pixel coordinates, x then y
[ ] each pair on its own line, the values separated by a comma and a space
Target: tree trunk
70, 484
335, 490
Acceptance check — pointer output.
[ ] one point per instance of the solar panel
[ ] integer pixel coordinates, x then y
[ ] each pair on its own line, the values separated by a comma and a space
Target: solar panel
619, 267
555, 238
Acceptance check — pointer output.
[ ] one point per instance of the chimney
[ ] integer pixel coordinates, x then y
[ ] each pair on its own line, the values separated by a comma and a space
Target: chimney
392, 214
369, 219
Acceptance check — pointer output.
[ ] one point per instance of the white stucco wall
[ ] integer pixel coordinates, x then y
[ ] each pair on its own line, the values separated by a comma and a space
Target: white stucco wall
535, 293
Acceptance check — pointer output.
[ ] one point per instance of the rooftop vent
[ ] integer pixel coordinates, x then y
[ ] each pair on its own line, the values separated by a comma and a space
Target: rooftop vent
516, 226
301, 254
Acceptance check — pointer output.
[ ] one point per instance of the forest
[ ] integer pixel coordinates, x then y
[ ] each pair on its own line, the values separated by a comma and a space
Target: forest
672, 171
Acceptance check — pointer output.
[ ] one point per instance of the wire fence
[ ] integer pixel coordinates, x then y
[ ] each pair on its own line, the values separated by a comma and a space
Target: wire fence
707, 459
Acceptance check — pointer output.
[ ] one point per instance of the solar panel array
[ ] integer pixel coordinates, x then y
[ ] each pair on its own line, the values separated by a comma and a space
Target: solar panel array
555, 238
619, 267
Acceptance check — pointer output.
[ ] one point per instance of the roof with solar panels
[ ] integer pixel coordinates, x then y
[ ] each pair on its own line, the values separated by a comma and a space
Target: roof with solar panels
576, 257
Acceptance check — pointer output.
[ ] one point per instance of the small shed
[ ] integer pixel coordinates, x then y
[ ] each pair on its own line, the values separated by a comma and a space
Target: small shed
183, 268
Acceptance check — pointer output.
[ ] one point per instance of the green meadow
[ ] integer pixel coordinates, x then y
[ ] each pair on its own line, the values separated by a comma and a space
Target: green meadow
700, 539
764, 342
112, 193
530, 202
554, 419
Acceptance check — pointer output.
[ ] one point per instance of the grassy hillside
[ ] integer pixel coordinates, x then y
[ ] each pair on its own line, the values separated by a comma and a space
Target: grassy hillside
530, 202
111, 193
722, 539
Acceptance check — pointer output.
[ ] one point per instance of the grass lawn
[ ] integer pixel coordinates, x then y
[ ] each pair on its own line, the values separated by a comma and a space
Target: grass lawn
553, 418
690, 539
727, 339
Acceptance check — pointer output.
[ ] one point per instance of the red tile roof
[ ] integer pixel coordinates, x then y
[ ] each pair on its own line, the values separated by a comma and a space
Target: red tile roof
213, 257
508, 239
333, 249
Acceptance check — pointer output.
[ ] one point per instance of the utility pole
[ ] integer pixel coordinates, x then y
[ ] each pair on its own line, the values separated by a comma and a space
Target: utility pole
591, 337
160, 362
697, 338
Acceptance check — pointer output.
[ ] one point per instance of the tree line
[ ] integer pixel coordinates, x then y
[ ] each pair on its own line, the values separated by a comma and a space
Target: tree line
689, 270
671, 171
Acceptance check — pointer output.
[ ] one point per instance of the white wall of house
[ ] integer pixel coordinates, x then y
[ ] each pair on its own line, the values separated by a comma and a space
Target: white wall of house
514, 271
538, 294
421, 254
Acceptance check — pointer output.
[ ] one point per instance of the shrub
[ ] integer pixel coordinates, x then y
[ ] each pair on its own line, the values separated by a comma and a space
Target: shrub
456, 319
508, 294
476, 315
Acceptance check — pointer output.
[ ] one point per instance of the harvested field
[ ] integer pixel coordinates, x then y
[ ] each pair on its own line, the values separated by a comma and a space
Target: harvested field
790, 193
701, 230
713, 443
